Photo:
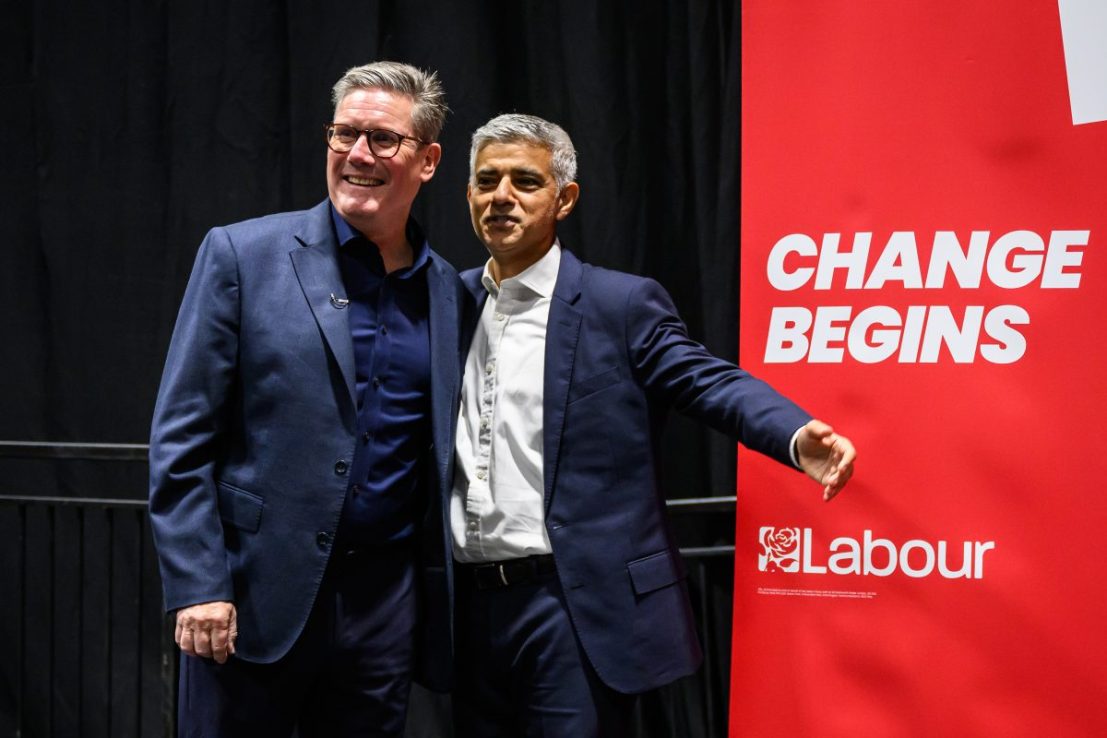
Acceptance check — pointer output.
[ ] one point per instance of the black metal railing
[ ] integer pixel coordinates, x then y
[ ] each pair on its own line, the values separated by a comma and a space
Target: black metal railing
93, 655
84, 451
94, 652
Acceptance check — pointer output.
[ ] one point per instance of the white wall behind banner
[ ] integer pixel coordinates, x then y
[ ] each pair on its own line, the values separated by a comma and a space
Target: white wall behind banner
924, 221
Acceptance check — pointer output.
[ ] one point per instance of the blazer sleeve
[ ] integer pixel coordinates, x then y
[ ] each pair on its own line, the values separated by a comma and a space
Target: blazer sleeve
698, 384
190, 427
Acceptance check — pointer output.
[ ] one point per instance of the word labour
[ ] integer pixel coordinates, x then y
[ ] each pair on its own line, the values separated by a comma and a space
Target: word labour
791, 550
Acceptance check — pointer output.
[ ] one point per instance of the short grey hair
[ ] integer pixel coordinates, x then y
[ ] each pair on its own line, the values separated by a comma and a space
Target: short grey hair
429, 111
517, 127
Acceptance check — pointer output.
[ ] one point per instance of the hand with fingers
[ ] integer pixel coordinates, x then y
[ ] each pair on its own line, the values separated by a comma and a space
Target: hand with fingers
826, 456
208, 630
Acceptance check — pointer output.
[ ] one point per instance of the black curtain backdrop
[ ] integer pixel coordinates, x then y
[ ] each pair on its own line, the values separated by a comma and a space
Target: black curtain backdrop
131, 127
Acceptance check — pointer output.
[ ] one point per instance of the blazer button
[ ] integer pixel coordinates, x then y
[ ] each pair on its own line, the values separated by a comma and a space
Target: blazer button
340, 467
323, 539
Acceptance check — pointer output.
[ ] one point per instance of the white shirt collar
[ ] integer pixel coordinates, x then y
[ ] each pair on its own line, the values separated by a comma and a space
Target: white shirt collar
540, 277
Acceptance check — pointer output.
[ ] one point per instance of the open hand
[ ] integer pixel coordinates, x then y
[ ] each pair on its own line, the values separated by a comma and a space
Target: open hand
826, 456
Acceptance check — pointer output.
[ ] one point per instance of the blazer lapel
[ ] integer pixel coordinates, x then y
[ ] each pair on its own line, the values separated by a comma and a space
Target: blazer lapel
562, 332
444, 357
316, 263
475, 297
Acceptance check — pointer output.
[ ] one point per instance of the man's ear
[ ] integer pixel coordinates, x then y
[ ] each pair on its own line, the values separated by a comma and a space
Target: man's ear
567, 200
431, 157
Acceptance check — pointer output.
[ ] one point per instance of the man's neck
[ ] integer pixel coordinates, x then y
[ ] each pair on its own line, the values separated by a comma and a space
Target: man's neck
501, 270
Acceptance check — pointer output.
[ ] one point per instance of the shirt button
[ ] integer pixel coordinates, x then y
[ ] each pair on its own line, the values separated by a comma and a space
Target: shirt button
340, 467
367, 436
500, 316
323, 539
384, 330
481, 474
489, 366
376, 382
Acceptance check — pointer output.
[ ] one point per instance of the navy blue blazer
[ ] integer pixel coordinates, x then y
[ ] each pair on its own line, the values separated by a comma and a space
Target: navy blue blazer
255, 429
617, 358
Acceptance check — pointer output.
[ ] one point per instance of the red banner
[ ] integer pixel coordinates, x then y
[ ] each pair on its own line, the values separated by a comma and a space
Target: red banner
924, 207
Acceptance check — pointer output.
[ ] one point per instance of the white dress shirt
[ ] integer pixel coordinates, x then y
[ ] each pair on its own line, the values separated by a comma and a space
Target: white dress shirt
497, 506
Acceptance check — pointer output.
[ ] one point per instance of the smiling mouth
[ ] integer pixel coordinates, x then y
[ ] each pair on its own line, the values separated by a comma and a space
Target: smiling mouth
500, 220
363, 181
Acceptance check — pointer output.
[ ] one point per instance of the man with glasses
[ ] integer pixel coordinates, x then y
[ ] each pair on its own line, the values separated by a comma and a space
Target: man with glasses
302, 439
570, 590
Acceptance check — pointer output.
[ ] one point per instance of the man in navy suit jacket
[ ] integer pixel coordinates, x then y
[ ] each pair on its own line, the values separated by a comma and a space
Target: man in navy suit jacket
302, 442
570, 589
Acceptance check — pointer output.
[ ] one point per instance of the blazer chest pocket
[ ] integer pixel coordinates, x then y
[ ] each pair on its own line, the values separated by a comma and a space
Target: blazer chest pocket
240, 508
591, 385
655, 571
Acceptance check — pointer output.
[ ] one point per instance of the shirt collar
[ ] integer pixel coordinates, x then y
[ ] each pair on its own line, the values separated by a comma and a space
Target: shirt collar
540, 277
346, 234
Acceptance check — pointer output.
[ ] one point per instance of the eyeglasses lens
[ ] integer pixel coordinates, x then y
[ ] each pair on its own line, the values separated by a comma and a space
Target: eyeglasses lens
382, 143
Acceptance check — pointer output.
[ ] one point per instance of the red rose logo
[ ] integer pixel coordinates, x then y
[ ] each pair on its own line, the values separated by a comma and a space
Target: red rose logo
779, 549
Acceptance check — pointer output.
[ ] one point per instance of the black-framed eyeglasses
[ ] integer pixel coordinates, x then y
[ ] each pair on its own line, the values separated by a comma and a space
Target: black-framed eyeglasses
384, 143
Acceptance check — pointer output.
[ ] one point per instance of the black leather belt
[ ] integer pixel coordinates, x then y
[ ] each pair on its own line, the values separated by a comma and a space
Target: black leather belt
496, 574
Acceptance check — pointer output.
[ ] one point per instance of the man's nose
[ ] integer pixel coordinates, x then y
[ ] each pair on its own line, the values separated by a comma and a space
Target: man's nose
502, 193
361, 151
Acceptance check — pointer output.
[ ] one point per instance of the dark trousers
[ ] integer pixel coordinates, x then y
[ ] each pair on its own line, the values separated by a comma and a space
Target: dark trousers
348, 674
521, 671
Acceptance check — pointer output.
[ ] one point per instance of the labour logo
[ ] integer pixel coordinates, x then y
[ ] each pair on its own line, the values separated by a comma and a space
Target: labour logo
780, 549
791, 550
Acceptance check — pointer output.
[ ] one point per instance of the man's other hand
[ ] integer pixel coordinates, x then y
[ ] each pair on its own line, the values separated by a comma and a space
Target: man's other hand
208, 629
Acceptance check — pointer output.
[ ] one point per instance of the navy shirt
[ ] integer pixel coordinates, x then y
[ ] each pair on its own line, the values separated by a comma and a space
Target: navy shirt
388, 315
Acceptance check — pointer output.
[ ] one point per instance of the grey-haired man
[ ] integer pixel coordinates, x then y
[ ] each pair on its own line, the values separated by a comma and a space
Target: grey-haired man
302, 441
570, 589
